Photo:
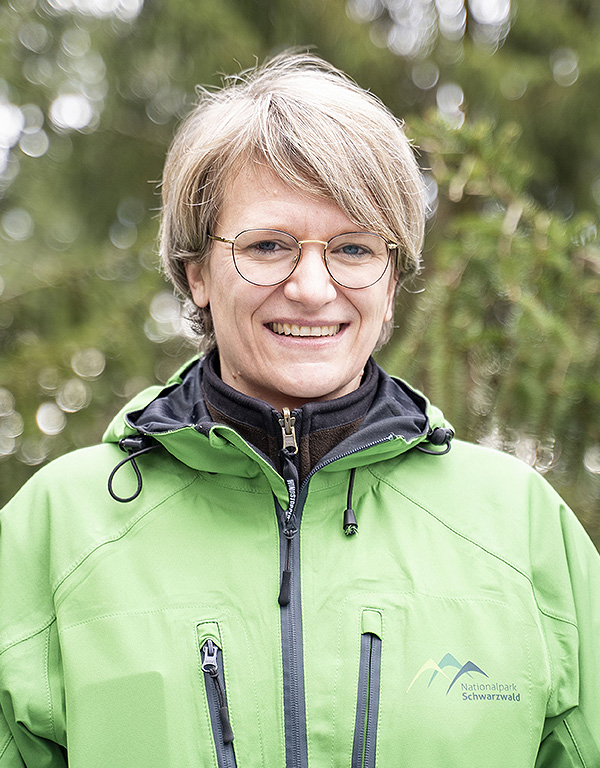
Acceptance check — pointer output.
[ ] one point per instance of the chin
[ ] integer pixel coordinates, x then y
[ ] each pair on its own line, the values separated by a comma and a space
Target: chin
308, 393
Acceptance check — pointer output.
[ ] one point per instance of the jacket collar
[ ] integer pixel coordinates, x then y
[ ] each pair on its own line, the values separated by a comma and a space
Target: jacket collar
176, 416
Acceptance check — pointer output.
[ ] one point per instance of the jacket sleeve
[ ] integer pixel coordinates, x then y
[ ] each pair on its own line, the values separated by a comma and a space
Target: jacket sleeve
31, 690
27, 728
37, 752
9, 754
572, 739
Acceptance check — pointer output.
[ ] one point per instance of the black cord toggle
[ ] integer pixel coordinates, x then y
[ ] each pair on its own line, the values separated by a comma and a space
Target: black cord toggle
438, 436
350, 522
137, 446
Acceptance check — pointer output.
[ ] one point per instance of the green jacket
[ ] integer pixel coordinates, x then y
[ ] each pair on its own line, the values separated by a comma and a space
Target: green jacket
459, 627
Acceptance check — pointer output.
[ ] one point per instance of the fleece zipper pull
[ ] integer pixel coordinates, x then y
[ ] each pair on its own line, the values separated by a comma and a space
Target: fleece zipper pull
288, 432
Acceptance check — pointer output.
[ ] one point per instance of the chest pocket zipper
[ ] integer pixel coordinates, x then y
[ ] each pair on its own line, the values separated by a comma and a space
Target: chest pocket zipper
216, 697
367, 700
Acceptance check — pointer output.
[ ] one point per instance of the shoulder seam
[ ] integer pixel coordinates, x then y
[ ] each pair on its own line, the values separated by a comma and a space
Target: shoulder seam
29, 635
74, 566
119, 535
458, 533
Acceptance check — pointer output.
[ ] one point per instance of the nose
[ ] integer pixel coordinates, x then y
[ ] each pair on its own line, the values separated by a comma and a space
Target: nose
310, 283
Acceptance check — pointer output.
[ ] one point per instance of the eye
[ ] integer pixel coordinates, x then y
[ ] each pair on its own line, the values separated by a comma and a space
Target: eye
351, 251
264, 244
268, 249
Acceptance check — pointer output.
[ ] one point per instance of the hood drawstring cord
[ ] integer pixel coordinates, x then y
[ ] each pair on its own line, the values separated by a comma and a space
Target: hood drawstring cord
136, 447
438, 436
350, 523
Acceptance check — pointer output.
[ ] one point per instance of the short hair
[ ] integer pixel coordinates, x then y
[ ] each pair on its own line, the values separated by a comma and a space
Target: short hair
320, 133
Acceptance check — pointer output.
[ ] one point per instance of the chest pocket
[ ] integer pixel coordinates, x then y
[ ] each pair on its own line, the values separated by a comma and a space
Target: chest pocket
463, 682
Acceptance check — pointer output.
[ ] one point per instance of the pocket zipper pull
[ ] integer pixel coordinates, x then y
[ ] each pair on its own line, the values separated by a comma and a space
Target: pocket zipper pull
211, 667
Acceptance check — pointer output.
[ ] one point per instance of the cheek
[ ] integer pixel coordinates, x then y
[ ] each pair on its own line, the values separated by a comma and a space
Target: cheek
236, 308
379, 308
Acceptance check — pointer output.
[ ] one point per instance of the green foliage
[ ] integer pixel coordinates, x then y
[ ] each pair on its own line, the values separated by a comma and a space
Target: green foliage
505, 334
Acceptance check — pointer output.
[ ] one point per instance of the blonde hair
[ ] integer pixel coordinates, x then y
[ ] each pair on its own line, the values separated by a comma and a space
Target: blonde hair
319, 132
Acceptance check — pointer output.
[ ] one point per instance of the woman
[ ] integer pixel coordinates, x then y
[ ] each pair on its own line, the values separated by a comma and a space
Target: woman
218, 608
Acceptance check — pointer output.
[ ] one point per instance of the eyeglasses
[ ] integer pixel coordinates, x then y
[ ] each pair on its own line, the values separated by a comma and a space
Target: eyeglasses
268, 257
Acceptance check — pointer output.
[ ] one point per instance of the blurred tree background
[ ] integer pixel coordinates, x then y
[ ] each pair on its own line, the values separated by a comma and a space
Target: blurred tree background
502, 329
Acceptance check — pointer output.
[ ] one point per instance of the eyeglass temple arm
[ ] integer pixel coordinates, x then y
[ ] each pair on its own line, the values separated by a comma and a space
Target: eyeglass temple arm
221, 239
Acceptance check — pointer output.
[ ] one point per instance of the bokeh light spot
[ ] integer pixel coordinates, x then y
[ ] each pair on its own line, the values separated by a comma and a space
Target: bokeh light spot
591, 459
88, 363
34, 450
123, 236
34, 36
7, 401
71, 111
34, 144
50, 419
17, 224
565, 66
425, 75
12, 122
12, 425
73, 396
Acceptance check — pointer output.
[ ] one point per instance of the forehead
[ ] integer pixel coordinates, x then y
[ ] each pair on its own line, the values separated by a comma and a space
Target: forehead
257, 198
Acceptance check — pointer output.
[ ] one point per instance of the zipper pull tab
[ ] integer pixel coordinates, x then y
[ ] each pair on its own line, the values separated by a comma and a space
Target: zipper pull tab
211, 667
226, 725
286, 575
288, 432
209, 649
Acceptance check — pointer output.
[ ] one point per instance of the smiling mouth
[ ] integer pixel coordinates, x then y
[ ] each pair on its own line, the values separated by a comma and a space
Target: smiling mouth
288, 329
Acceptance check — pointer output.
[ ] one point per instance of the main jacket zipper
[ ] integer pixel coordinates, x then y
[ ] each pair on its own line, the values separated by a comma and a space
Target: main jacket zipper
212, 666
289, 597
289, 600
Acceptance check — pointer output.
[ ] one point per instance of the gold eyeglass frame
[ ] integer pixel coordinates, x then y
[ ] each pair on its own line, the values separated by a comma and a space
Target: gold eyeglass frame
296, 261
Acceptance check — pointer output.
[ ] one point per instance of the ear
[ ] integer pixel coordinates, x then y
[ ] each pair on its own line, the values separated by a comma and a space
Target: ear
390, 299
199, 283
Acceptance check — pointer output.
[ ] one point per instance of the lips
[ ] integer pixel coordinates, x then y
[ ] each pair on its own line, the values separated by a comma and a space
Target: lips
290, 329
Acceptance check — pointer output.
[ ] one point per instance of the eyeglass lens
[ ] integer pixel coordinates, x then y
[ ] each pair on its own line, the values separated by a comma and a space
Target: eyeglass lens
268, 257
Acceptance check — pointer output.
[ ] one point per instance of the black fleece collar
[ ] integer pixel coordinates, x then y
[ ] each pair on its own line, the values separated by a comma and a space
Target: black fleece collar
320, 426
310, 417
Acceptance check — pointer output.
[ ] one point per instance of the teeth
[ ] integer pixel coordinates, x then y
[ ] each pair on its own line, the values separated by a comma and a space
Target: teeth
287, 329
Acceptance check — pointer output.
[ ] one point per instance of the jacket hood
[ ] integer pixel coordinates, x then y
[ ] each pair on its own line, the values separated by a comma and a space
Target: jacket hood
176, 417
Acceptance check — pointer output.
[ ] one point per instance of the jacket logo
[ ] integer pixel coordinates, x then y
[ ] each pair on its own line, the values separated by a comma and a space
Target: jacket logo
448, 662
472, 687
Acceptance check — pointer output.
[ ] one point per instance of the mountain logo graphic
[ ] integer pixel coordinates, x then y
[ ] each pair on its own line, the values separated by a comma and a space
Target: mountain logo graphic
449, 668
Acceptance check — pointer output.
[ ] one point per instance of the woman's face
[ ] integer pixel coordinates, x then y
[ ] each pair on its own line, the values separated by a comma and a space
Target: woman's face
288, 370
